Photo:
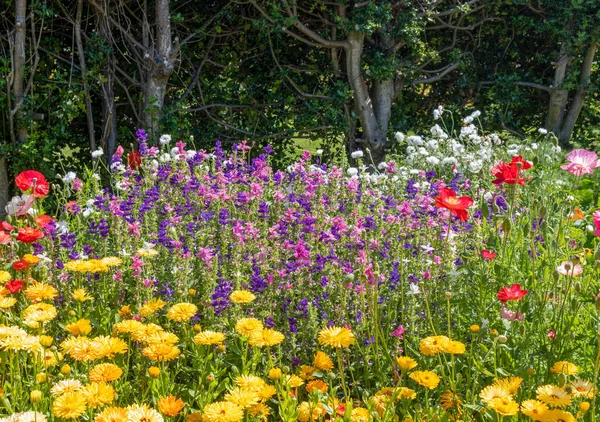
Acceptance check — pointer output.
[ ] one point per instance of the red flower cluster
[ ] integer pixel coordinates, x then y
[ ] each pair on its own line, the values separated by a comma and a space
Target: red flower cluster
485, 254
511, 173
135, 160
513, 292
33, 180
14, 286
29, 235
457, 206
5, 230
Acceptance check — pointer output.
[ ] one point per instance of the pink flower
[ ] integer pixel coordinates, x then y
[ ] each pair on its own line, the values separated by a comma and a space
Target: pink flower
581, 162
596, 217
510, 315
77, 185
570, 269
398, 332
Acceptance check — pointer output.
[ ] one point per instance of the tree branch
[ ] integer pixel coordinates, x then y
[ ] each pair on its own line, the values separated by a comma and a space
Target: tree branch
439, 76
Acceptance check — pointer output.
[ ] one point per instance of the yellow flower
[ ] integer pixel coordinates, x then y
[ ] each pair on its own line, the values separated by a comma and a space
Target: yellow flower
274, 373
360, 414
98, 394
406, 363
105, 372
474, 328
37, 314
242, 296
46, 341
557, 415
128, 326
433, 345
208, 338
125, 311
69, 405
294, 381
162, 337
535, 409
336, 337
170, 406
161, 352
427, 379
584, 406
154, 371
66, 386
65, 369
564, 367
260, 410
246, 326
267, 337
450, 400
505, 406
35, 396
222, 411
37, 292
194, 417
251, 382
323, 361
7, 302
307, 372
4, 276
243, 397
143, 413
81, 295
455, 348
553, 396
316, 385
111, 346
492, 392
112, 414
266, 392
182, 312
30, 259
310, 412
151, 307
79, 328
583, 388
111, 261
511, 384
147, 252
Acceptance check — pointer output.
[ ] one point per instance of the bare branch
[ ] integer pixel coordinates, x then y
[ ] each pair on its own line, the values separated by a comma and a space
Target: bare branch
439, 76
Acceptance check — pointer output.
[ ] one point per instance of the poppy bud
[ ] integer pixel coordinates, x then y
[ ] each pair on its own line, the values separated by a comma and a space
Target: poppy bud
578, 287
502, 339
562, 381
448, 295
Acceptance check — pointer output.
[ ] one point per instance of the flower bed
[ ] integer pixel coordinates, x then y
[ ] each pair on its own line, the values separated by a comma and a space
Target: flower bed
211, 287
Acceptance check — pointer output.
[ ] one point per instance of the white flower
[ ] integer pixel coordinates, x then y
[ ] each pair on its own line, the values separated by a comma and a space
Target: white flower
96, 176
62, 227
165, 158
543, 131
352, 171
437, 113
449, 161
476, 114
534, 145
164, 139
98, 153
357, 154
319, 152
438, 132
87, 212
69, 177
467, 130
488, 196
190, 154
415, 171
512, 151
382, 166
154, 165
415, 140
433, 144
410, 149
413, 289
589, 228
399, 136
468, 120
90, 202
475, 166
556, 149
423, 151
495, 139
432, 160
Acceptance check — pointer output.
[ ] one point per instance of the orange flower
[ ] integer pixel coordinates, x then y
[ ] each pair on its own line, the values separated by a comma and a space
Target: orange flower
170, 406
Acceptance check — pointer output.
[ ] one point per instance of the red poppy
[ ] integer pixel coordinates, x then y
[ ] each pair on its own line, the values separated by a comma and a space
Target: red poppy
29, 235
511, 173
4, 238
513, 292
7, 227
34, 180
20, 265
518, 160
485, 254
551, 334
14, 286
134, 159
458, 206
43, 220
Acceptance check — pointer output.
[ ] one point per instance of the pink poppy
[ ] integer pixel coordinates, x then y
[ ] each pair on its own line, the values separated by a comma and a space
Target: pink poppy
511, 315
570, 269
581, 162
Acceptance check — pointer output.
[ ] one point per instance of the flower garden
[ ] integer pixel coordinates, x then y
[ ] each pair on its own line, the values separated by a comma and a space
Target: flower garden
459, 282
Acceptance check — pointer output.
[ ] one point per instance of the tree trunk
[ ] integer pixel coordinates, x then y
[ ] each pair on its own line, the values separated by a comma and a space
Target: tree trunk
109, 110
3, 187
578, 100
558, 96
372, 112
86, 88
19, 66
161, 67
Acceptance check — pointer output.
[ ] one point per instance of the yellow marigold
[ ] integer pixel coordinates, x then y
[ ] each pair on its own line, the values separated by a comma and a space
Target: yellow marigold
46, 341
294, 381
583, 388
247, 326
147, 252
66, 386
162, 337
105, 372
243, 397
535, 409
125, 311
111, 346
4, 276
30, 259
406, 363
310, 412
143, 413
274, 373
504, 406
182, 312
266, 392
37, 292
154, 371
65, 369
112, 414
98, 394
584, 406
360, 414
69, 405
455, 347
151, 307
35, 396
50, 358
260, 410
222, 411
450, 401
564, 367
433, 345
492, 392
553, 396
251, 382
208, 338
194, 417
37, 314
82, 348
336, 337
128, 326
427, 379
557, 415
81, 295
79, 328
307, 372
316, 385
112, 261
171, 405
144, 333
266, 337
7, 302
323, 361
474, 328
161, 352
242, 296
511, 384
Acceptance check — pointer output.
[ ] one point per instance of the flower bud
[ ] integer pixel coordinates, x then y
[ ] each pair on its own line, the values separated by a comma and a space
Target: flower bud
154, 371
65, 369
192, 292
584, 406
502, 339
41, 377
35, 396
493, 332
474, 328
275, 373
448, 295
46, 341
